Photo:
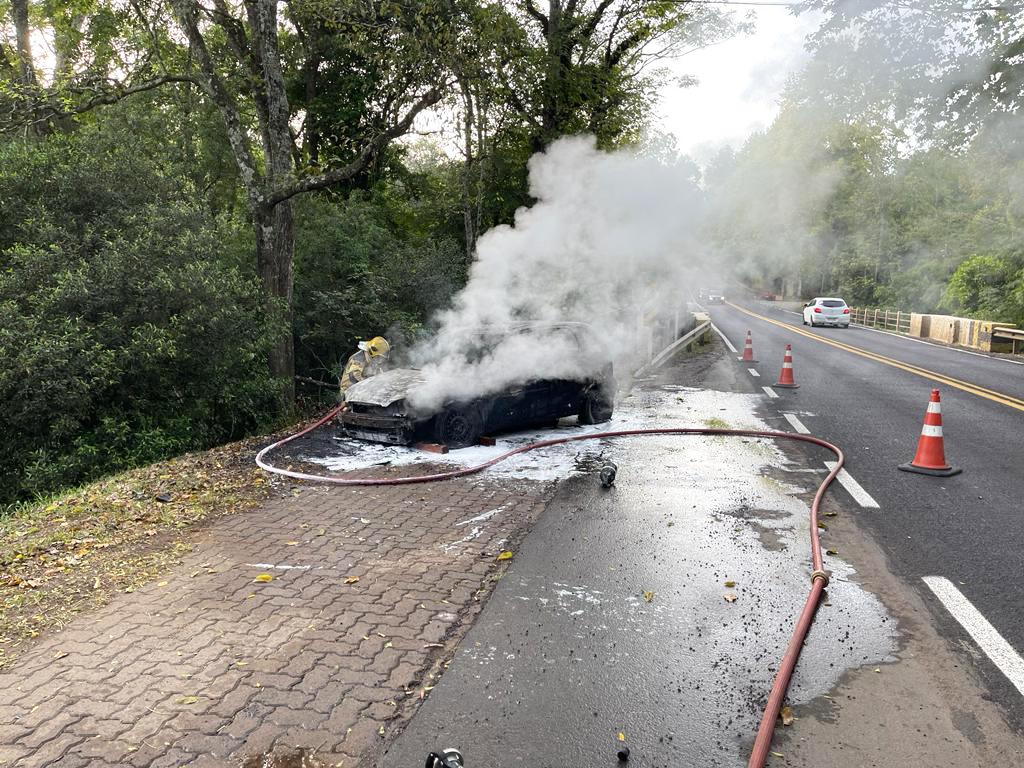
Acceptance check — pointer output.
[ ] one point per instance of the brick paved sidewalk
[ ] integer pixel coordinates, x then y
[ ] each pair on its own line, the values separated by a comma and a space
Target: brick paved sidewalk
206, 667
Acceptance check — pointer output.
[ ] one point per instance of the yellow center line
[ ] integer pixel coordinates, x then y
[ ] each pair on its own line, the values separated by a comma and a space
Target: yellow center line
966, 386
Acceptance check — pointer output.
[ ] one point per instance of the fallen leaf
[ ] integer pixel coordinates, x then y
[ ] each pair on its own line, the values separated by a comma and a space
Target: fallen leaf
505, 555
648, 596
388, 644
786, 713
263, 578
188, 700
822, 526
621, 736
60, 654
351, 579
831, 551
162, 584
380, 731
730, 597
96, 583
730, 584
777, 754
291, 543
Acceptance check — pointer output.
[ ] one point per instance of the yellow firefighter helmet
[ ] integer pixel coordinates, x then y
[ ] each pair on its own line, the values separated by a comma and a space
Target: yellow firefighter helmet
378, 347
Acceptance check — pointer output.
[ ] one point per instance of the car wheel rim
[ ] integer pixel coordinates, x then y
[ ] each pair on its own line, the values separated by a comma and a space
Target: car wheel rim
457, 428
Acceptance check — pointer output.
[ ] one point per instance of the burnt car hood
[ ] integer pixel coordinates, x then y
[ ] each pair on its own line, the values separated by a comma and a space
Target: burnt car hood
385, 388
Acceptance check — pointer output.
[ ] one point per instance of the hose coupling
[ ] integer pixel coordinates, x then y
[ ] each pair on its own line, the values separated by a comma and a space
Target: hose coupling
823, 575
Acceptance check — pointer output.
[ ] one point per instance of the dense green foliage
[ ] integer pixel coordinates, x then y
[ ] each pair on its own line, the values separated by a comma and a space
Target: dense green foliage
367, 267
129, 327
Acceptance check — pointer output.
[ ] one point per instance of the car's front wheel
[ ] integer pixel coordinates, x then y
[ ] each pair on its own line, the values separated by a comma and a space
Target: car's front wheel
598, 406
458, 427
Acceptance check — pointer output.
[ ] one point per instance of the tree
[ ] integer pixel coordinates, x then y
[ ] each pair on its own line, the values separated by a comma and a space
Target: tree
942, 67
254, 46
587, 65
241, 56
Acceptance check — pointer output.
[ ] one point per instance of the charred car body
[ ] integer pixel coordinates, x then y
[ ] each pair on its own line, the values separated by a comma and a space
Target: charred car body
384, 408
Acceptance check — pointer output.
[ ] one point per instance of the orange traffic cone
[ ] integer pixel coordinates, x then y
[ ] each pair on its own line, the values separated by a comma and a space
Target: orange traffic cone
786, 374
930, 458
748, 350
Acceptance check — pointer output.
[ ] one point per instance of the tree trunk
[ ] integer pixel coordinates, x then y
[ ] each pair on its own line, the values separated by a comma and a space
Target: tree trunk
19, 10
275, 249
467, 170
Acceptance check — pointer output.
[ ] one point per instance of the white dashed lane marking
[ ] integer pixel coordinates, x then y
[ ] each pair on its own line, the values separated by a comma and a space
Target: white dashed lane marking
796, 424
855, 489
753, 372
770, 392
1000, 652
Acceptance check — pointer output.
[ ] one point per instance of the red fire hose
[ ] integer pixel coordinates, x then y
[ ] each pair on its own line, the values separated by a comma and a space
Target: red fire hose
819, 578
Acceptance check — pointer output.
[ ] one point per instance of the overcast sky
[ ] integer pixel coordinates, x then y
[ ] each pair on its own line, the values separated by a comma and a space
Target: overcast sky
739, 85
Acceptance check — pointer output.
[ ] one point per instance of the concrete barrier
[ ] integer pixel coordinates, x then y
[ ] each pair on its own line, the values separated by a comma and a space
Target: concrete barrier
961, 331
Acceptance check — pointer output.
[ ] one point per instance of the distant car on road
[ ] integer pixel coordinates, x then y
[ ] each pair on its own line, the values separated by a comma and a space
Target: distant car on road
827, 310
715, 296
381, 408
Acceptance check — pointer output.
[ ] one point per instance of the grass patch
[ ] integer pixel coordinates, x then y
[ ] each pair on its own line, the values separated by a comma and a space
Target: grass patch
73, 551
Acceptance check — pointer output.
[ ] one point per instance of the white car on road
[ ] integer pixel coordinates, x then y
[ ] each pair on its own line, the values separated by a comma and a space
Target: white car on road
827, 311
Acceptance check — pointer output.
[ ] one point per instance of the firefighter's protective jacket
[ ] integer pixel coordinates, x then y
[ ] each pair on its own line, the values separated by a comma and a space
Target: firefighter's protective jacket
360, 366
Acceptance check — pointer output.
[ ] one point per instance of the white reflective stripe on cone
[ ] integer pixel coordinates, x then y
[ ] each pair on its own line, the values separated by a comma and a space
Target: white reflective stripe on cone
934, 408
930, 430
787, 365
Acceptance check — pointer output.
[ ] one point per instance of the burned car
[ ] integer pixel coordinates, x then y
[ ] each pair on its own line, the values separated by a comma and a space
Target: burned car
393, 407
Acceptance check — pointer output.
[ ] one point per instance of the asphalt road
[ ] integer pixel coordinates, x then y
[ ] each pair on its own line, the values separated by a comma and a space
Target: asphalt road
612, 620
967, 528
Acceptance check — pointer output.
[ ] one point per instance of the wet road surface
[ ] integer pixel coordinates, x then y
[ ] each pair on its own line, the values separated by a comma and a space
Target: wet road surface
614, 616
968, 528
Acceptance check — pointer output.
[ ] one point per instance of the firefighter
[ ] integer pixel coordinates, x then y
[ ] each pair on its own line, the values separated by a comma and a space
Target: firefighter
368, 361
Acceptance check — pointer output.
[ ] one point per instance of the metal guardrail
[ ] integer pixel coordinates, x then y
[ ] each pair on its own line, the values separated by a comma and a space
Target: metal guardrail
887, 319
683, 341
1014, 335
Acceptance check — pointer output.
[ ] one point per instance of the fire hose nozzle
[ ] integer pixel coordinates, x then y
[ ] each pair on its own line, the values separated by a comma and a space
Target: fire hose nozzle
446, 758
607, 474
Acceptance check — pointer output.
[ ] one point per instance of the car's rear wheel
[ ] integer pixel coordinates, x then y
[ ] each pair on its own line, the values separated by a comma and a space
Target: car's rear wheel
598, 405
458, 427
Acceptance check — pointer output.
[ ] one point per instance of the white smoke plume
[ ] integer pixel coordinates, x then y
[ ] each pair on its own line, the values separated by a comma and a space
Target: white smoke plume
610, 242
